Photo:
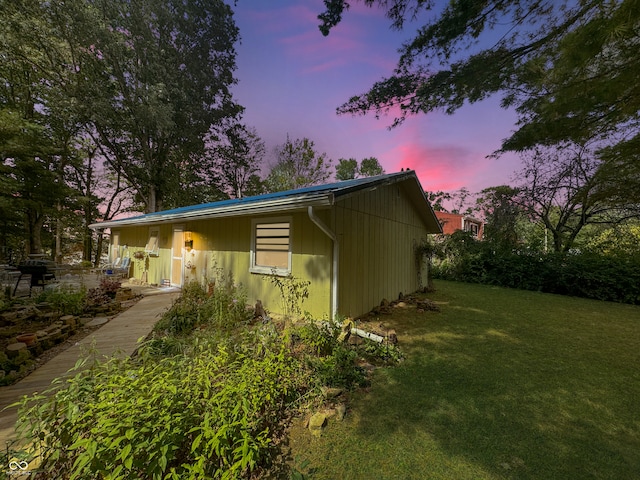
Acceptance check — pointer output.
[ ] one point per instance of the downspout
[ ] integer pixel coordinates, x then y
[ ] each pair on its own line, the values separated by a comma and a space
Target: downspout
334, 281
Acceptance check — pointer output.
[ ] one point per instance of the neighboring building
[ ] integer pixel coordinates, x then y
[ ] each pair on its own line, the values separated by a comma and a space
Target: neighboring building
452, 222
355, 241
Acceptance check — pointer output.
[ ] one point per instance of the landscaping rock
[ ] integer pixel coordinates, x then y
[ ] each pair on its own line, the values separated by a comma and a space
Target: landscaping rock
341, 411
316, 423
51, 316
68, 320
330, 392
14, 349
427, 306
392, 337
124, 294
8, 318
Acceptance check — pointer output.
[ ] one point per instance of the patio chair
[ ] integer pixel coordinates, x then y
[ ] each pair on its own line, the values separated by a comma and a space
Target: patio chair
119, 268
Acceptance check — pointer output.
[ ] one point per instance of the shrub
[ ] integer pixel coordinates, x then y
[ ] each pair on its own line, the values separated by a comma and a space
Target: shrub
333, 364
339, 369
65, 299
611, 278
225, 307
214, 412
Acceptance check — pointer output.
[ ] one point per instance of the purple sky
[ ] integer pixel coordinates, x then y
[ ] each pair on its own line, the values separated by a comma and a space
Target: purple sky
291, 79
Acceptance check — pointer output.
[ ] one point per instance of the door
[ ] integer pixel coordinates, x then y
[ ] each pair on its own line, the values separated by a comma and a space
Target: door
115, 247
177, 256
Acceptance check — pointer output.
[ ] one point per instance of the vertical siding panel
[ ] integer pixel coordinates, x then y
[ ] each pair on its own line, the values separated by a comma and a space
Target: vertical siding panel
366, 294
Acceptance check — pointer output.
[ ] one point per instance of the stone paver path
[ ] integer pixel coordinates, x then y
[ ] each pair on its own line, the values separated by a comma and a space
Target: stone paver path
119, 336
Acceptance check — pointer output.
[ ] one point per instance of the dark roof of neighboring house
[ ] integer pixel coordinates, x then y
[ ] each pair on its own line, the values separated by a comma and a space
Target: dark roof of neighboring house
315, 196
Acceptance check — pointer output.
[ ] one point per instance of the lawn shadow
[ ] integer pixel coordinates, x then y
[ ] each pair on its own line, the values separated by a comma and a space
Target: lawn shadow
517, 401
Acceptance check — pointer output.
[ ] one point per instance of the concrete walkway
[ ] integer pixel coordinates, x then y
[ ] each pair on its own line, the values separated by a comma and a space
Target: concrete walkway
119, 336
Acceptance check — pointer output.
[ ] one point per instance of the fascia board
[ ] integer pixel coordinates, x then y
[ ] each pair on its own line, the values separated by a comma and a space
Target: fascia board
273, 206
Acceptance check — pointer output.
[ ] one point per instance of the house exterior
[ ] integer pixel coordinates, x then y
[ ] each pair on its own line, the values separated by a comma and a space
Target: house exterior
354, 241
452, 222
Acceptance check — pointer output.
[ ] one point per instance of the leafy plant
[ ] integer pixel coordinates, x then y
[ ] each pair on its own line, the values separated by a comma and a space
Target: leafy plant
339, 369
65, 299
109, 286
213, 412
375, 352
293, 293
222, 304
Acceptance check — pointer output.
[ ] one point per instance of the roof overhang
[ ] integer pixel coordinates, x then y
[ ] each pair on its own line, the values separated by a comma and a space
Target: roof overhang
295, 200
235, 210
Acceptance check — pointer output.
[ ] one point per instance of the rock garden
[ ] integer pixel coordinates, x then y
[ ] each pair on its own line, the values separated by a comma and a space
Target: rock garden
35, 328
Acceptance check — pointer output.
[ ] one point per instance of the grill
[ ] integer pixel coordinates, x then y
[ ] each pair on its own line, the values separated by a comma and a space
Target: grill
41, 272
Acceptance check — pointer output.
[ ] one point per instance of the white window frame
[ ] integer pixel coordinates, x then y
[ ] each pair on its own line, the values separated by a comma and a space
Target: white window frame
153, 251
264, 269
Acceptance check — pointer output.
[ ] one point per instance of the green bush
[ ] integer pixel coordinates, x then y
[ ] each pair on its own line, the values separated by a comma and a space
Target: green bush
333, 364
602, 277
223, 306
214, 412
65, 299
339, 369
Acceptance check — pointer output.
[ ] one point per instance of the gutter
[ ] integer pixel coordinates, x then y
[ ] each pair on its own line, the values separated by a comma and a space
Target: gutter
233, 210
334, 280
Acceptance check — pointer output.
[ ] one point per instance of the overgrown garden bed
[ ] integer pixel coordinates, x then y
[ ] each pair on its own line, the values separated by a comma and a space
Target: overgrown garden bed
208, 395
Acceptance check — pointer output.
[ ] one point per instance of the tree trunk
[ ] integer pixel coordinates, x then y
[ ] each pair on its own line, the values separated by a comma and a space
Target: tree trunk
34, 225
151, 205
87, 245
58, 255
99, 242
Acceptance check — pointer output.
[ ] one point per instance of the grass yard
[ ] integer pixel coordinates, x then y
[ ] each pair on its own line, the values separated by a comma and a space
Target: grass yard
500, 384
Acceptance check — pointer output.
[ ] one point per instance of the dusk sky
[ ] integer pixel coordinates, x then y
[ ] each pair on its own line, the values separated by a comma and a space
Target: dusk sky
291, 79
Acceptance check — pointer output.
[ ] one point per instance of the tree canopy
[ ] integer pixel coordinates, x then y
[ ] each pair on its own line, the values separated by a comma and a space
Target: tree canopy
570, 69
298, 165
348, 169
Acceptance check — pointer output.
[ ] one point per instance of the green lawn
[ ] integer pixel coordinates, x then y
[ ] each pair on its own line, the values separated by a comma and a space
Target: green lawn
500, 384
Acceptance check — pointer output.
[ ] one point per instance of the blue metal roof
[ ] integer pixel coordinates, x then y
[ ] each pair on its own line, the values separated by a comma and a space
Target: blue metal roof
329, 188
317, 195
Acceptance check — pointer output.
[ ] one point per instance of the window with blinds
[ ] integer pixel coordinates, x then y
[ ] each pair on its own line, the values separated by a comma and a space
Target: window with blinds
271, 246
152, 247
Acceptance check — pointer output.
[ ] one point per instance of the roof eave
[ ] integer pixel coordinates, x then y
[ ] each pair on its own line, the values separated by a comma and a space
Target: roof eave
261, 208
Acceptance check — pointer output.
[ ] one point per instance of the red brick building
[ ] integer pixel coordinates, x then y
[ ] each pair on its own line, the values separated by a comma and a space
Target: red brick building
452, 222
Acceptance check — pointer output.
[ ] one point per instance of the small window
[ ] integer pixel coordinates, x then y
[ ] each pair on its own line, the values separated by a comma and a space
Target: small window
271, 246
152, 247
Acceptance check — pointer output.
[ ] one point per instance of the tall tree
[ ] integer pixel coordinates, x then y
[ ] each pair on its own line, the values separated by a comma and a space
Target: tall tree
238, 158
298, 165
346, 169
370, 167
156, 76
561, 188
436, 199
569, 68
350, 169
504, 217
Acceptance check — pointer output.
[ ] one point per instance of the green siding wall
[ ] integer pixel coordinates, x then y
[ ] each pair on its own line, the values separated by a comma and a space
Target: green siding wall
223, 245
378, 233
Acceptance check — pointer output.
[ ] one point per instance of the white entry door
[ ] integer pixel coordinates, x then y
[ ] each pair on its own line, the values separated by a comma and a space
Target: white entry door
177, 256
